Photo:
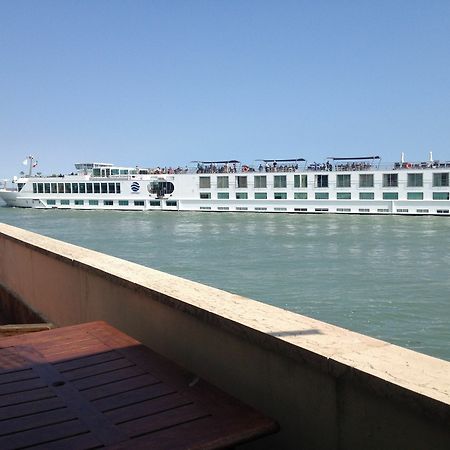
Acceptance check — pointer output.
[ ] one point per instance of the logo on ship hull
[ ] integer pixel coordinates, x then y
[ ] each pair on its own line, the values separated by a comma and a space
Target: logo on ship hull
135, 186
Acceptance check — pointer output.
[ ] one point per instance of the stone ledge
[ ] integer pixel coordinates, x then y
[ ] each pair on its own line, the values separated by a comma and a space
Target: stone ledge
420, 381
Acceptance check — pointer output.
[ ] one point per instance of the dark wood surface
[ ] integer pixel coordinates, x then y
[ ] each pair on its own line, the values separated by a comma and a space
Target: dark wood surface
90, 386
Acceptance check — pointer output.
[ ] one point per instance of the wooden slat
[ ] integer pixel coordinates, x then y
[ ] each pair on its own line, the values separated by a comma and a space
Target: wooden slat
29, 408
85, 441
36, 420
42, 434
85, 361
18, 375
24, 397
129, 398
147, 408
21, 386
120, 387
166, 419
83, 372
105, 378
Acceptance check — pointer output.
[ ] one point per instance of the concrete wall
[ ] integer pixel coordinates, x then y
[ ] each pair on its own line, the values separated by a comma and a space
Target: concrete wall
329, 388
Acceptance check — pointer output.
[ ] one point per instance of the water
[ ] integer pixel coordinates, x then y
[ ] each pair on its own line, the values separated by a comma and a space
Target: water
386, 277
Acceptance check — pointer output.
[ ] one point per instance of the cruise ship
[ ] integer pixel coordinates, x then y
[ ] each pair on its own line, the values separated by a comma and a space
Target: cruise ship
340, 185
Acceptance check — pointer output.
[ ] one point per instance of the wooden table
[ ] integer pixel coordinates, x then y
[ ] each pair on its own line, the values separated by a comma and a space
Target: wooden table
91, 386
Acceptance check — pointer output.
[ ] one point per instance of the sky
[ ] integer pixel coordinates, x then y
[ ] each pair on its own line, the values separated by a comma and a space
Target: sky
162, 83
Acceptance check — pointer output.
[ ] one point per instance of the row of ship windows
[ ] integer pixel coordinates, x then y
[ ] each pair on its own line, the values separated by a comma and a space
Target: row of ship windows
322, 181
65, 202
326, 196
339, 210
76, 188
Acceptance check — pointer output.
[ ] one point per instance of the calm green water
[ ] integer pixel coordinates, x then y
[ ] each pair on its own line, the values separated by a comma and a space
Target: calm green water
387, 277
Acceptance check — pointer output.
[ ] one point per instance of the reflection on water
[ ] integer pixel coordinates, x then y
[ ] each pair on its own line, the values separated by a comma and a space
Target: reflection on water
379, 275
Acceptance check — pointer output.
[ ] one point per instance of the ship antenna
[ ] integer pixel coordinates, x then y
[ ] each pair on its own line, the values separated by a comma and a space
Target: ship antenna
30, 169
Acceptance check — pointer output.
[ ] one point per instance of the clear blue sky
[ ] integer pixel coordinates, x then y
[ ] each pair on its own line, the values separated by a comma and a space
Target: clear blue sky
166, 82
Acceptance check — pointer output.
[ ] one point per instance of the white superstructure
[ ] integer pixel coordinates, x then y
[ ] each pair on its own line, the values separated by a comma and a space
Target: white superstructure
341, 185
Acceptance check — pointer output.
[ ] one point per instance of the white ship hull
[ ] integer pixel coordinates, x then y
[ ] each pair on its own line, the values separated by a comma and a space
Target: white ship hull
411, 192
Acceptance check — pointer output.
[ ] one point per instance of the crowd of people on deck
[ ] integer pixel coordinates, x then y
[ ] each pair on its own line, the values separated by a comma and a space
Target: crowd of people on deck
275, 167
354, 166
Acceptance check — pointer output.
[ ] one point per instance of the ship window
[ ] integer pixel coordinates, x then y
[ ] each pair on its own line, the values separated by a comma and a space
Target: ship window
390, 180
104, 187
123, 202
390, 195
205, 182
96, 172
321, 209
300, 195
260, 181
51, 202
93, 202
260, 195
415, 195
114, 171
47, 188
402, 210
365, 180
241, 182
89, 188
108, 202
123, 171
440, 179
241, 195
67, 188
442, 211
154, 203
321, 181
82, 188
343, 209
241, 208
75, 188
344, 196
222, 182
112, 188
366, 195
205, 207
260, 209
426, 211
300, 181
223, 208
415, 179
440, 195
65, 202
96, 188
205, 195
34, 188
79, 202
383, 210
279, 181
343, 181
363, 210
40, 188
20, 186
117, 188
171, 203
223, 195
280, 195
322, 196
54, 187
60, 188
